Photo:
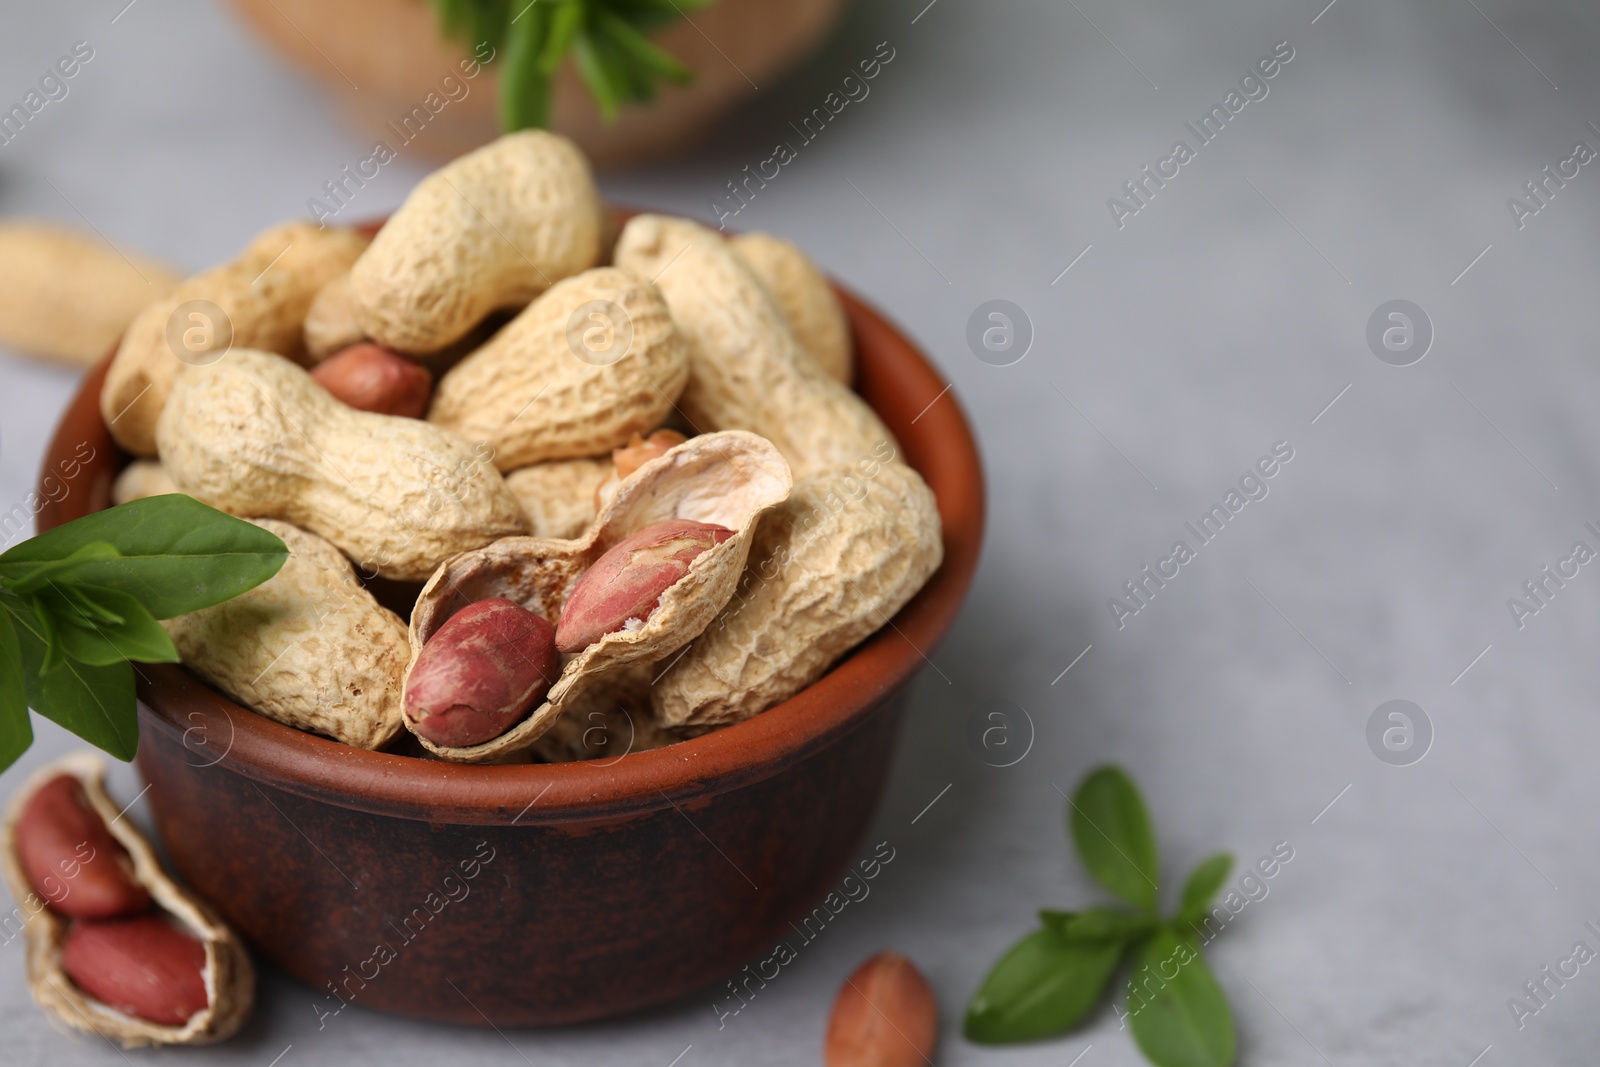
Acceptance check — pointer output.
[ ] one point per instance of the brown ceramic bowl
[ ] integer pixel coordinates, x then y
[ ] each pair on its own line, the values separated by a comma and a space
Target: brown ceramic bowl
595, 888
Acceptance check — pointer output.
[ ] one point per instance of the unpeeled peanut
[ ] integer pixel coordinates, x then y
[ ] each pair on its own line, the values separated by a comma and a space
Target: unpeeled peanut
560, 496
140, 479
66, 296
369, 377
625, 584
483, 670
71, 859
255, 436
331, 323
747, 371
262, 298
806, 299
577, 373
885, 1016
491, 230
830, 566
309, 647
143, 966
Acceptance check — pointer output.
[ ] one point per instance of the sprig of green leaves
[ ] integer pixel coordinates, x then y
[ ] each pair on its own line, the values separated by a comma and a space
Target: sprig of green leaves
82, 601
607, 39
1048, 982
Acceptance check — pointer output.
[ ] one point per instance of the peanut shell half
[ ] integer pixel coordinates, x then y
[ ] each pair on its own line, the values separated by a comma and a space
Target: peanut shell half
229, 975
730, 479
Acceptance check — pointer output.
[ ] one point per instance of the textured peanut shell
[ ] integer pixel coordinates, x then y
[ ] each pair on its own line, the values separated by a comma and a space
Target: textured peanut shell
830, 566
558, 497
255, 436
229, 975
747, 371
491, 230
808, 302
67, 297
606, 721
331, 323
265, 294
309, 648
730, 479
140, 479
530, 397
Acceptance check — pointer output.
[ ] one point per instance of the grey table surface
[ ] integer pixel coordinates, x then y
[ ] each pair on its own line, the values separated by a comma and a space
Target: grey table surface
1228, 314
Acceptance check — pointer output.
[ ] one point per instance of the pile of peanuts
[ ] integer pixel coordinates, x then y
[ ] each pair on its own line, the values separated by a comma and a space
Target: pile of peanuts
623, 464
115, 947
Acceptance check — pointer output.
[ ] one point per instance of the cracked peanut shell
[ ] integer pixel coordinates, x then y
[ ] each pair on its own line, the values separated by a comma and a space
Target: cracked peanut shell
730, 479
229, 974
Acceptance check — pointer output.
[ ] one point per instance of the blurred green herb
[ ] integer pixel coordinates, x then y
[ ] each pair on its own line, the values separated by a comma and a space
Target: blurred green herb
1048, 982
607, 39
80, 602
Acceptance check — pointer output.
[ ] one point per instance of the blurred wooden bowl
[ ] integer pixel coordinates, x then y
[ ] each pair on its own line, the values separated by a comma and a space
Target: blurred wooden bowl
381, 58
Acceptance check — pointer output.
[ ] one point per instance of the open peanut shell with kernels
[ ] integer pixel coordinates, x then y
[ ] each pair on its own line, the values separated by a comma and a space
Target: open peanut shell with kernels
726, 481
102, 913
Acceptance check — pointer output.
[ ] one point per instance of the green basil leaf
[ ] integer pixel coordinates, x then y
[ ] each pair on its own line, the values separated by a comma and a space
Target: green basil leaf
1203, 884
176, 555
1178, 1013
96, 703
16, 730
103, 626
644, 52
565, 22
37, 578
596, 76
1098, 924
1045, 984
524, 87
1114, 836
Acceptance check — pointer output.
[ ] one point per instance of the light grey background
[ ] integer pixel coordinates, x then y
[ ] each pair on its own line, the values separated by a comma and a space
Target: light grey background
1223, 318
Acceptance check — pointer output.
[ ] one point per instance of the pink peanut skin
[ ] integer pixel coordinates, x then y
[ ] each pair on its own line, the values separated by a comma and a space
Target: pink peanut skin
487, 665
142, 966
627, 582
71, 859
369, 377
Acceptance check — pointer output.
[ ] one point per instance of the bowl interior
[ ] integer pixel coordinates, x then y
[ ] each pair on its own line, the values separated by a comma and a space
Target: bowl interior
935, 439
